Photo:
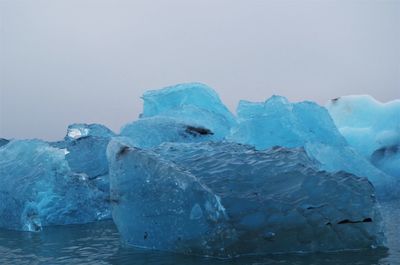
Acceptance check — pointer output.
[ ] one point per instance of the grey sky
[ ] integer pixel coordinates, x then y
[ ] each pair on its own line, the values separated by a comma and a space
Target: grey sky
72, 61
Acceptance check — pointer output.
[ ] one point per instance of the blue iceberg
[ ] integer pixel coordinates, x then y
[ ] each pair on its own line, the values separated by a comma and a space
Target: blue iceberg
228, 199
190, 177
371, 127
191, 103
85, 147
39, 189
190, 112
151, 132
277, 122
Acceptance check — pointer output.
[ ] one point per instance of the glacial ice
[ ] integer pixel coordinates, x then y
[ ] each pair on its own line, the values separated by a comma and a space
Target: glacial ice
39, 189
388, 160
189, 112
190, 103
277, 122
151, 132
188, 176
371, 127
227, 199
79, 130
3, 142
86, 153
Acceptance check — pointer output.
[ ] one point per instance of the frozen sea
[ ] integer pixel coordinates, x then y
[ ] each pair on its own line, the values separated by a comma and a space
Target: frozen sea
99, 243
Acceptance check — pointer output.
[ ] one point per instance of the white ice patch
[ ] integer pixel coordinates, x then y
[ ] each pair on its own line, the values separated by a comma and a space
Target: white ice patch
76, 133
65, 150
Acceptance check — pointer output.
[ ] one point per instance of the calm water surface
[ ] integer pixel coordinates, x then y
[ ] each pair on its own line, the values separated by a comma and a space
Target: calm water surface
99, 243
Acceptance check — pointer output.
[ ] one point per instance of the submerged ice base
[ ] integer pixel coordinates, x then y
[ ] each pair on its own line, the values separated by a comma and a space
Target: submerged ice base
226, 199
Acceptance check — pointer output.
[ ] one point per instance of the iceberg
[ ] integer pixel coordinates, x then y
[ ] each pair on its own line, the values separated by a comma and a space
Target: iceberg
277, 122
190, 177
85, 148
39, 189
190, 103
371, 127
150, 132
227, 199
182, 113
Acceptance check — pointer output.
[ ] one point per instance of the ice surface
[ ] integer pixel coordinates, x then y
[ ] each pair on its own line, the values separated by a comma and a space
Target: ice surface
3, 142
369, 125
78, 130
38, 188
86, 154
388, 160
181, 113
277, 122
190, 103
226, 199
150, 132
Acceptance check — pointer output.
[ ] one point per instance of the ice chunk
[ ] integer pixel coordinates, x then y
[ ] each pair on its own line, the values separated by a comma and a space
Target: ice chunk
227, 199
78, 130
86, 155
158, 206
189, 112
277, 122
38, 188
193, 104
369, 125
366, 123
150, 132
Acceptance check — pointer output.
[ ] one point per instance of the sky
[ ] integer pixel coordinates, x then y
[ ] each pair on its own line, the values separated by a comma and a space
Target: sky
89, 61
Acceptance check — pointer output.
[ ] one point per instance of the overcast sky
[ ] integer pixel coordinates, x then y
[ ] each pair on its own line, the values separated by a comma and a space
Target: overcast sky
72, 61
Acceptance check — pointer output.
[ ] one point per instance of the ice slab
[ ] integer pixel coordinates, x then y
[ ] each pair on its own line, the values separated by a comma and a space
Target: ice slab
278, 122
227, 199
150, 132
369, 125
39, 189
181, 113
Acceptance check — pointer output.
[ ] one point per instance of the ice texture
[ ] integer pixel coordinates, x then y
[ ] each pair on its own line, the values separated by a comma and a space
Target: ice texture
189, 112
278, 122
150, 132
388, 160
3, 142
78, 130
190, 103
39, 188
86, 154
227, 199
371, 127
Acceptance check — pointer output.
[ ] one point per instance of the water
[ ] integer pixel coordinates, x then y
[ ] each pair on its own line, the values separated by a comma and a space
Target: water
99, 243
